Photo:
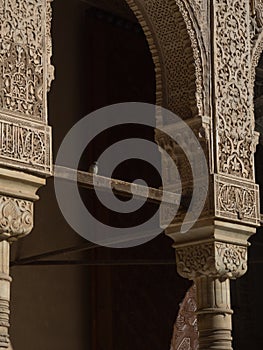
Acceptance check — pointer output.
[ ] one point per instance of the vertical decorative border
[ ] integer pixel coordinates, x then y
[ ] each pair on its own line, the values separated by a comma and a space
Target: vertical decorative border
233, 98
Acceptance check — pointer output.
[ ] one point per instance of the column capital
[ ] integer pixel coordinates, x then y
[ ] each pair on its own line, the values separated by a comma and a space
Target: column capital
217, 250
17, 194
213, 259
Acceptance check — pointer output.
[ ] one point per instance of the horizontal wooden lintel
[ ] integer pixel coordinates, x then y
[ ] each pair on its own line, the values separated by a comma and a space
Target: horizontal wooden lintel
119, 187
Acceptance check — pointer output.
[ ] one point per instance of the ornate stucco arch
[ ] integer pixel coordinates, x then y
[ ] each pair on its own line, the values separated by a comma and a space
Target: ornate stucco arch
176, 46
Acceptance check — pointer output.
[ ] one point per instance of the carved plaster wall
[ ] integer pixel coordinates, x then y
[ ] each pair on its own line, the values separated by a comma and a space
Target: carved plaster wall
236, 138
26, 75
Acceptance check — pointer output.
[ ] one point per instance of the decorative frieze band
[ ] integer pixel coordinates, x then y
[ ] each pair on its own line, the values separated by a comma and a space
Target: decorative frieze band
215, 259
236, 200
25, 145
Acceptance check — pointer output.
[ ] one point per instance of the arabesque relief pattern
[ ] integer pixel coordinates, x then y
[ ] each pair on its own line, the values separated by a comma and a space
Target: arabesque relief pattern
215, 259
26, 75
181, 85
22, 58
236, 138
185, 335
233, 98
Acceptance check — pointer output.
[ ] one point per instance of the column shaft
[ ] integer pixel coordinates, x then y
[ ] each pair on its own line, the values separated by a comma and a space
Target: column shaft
5, 281
213, 313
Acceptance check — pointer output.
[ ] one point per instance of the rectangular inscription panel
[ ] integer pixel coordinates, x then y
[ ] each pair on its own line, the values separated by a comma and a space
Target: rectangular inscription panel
25, 145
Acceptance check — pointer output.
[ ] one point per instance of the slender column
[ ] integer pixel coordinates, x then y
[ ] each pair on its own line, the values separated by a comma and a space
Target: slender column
5, 280
215, 249
17, 195
213, 313
210, 257
25, 138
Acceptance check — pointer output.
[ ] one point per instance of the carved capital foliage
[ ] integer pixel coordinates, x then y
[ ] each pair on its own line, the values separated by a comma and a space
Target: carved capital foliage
16, 218
215, 259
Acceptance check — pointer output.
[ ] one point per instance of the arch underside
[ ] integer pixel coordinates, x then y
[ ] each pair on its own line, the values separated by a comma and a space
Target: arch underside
176, 54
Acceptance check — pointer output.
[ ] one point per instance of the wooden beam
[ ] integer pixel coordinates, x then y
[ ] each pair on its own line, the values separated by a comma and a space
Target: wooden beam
122, 188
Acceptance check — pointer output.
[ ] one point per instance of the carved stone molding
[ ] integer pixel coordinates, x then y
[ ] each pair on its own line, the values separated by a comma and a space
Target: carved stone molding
214, 259
200, 9
237, 200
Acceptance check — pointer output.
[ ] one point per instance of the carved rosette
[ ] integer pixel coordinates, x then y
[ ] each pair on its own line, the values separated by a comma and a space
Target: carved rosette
26, 75
215, 259
16, 218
